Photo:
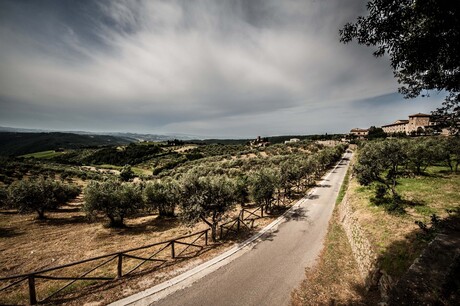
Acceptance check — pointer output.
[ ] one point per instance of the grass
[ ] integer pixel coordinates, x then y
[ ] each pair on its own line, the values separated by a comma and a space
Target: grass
395, 238
335, 278
343, 188
43, 154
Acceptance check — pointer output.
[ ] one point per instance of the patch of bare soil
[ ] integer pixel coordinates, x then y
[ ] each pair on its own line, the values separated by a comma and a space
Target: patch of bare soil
27, 245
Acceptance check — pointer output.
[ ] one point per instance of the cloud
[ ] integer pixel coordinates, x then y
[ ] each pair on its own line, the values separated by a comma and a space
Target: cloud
203, 67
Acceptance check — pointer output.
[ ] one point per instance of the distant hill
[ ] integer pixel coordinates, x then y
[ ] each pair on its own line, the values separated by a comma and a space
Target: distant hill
130, 137
15, 143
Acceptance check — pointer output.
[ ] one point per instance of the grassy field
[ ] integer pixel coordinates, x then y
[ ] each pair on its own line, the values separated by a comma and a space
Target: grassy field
44, 154
396, 238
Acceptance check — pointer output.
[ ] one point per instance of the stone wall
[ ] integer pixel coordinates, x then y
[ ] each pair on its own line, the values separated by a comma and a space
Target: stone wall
363, 253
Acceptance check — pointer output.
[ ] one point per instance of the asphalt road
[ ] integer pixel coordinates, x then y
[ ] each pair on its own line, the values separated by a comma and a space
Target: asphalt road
267, 274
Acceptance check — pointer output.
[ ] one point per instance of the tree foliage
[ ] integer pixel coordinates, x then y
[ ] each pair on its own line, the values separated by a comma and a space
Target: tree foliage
448, 115
422, 39
40, 195
376, 133
126, 173
379, 162
114, 199
207, 199
384, 162
262, 187
162, 195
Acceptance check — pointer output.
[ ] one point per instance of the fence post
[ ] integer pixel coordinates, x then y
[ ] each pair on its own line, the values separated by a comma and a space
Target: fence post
221, 228
173, 254
206, 237
32, 293
261, 211
238, 225
120, 265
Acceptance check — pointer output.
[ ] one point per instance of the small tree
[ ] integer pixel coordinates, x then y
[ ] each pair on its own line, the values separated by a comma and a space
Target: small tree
379, 162
262, 187
116, 200
207, 199
126, 173
162, 195
242, 191
40, 195
375, 133
451, 148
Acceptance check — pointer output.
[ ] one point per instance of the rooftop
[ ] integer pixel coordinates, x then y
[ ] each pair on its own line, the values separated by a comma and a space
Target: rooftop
419, 115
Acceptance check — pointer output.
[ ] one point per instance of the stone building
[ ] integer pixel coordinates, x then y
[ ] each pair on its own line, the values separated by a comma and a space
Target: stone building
359, 133
399, 126
417, 123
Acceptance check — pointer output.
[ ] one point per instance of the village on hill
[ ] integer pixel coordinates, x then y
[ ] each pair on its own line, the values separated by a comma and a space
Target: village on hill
417, 125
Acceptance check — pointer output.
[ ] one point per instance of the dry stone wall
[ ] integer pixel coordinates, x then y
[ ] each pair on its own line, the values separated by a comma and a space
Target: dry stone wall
362, 249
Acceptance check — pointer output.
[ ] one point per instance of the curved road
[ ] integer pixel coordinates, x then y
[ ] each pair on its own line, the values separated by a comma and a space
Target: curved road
266, 273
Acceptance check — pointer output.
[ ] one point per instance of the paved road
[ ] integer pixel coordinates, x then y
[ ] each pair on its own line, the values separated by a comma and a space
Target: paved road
268, 273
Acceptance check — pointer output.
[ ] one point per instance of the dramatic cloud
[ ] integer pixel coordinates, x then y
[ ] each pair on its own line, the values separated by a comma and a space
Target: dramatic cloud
211, 68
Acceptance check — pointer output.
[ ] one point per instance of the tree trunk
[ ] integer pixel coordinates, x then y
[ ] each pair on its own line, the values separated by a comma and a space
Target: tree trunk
213, 227
116, 222
214, 232
41, 214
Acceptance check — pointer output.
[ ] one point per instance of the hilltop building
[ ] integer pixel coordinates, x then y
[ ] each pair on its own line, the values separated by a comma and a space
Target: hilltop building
259, 142
359, 133
417, 124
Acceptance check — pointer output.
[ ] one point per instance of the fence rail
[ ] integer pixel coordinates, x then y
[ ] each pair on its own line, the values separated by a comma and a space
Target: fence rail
184, 249
245, 220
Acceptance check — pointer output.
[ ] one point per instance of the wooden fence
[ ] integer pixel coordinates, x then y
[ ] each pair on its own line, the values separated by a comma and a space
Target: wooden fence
157, 254
245, 220
126, 261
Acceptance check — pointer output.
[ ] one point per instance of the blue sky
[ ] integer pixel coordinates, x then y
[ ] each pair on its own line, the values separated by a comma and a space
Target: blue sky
207, 68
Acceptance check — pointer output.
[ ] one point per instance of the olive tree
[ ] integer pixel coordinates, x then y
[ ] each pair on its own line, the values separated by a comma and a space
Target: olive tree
40, 195
207, 198
379, 162
242, 189
162, 195
126, 173
424, 152
114, 199
262, 187
451, 149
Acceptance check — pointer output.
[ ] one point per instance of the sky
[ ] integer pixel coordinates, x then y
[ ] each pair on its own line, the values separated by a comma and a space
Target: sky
226, 69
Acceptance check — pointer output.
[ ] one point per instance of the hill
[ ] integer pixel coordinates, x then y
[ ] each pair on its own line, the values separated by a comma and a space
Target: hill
13, 143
